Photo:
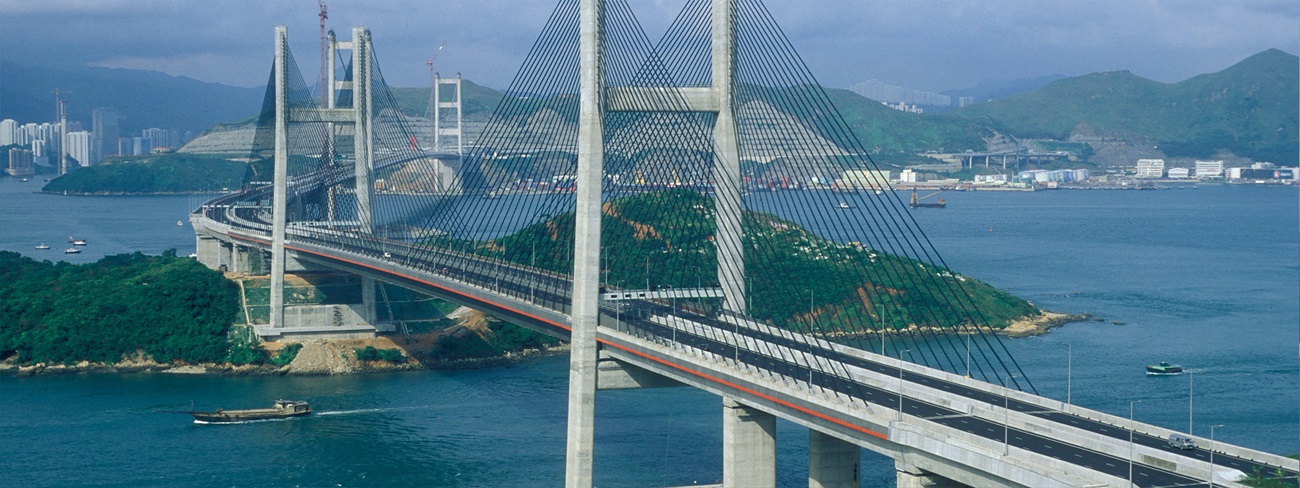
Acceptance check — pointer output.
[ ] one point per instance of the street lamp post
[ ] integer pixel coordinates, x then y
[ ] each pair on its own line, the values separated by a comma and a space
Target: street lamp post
900, 382
1191, 385
968, 355
811, 295
1006, 417
1212, 454
1069, 372
1130, 440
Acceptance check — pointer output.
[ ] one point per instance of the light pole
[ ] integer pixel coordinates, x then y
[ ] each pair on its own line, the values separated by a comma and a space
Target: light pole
900, 382
1212, 454
968, 354
1006, 417
1191, 384
1069, 372
1130, 440
811, 294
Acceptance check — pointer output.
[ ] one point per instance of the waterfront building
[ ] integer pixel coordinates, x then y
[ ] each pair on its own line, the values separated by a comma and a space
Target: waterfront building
1209, 169
999, 178
908, 176
1150, 168
1179, 173
866, 178
20, 162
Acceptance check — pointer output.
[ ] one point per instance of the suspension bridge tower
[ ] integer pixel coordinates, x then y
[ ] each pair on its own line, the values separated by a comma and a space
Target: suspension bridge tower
355, 121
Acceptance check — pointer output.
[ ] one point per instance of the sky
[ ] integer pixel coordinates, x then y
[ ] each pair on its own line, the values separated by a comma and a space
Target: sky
931, 45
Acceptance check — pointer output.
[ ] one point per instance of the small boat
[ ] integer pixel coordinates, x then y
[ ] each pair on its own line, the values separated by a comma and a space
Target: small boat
76, 242
179, 223
1164, 369
71, 250
23, 180
42, 246
844, 205
283, 409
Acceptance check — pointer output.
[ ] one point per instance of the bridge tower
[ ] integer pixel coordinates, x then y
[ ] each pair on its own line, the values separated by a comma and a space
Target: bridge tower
749, 434
359, 117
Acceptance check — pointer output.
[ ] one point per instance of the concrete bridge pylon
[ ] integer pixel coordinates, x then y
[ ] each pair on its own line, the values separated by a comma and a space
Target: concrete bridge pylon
360, 117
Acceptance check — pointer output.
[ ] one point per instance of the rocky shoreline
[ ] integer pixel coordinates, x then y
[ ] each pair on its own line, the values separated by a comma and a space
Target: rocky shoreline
1025, 327
318, 358
321, 358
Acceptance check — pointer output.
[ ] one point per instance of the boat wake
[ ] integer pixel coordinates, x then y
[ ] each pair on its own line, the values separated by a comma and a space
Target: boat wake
367, 410
200, 422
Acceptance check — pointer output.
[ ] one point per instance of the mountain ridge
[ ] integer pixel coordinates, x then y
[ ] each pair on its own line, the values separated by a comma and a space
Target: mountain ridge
1247, 109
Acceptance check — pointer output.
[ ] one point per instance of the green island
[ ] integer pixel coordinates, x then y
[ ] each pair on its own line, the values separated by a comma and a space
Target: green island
847, 283
137, 312
166, 307
153, 174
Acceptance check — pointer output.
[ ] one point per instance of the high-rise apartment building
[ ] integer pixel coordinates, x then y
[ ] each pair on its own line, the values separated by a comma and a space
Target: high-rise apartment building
79, 147
106, 132
160, 137
20, 162
8, 132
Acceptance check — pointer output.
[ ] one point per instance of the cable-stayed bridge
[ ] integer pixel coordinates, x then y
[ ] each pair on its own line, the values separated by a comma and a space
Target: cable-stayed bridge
670, 208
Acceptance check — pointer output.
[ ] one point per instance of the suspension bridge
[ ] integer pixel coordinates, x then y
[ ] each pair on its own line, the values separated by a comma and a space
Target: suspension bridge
669, 208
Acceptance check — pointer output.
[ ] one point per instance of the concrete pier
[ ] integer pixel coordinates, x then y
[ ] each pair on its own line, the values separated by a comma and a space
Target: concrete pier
748, 446
912, 477
832, 462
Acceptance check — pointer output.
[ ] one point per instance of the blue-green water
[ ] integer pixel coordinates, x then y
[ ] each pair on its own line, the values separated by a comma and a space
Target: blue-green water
1208, 278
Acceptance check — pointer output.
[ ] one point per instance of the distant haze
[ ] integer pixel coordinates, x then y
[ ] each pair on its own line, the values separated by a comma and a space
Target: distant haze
925, 44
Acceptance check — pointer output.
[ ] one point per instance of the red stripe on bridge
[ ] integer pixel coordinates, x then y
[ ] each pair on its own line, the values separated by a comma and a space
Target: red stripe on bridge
679, 367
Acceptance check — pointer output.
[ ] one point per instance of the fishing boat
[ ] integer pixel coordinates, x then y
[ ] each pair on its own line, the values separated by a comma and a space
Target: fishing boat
1164, 369
844, 205
42, 246
282, 409
72, 250
76, 242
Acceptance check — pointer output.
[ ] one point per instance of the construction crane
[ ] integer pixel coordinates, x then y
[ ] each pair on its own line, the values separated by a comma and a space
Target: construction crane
324, 14
916, 202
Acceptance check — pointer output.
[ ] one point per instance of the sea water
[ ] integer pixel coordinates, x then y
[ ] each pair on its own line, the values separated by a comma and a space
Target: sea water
1207, 278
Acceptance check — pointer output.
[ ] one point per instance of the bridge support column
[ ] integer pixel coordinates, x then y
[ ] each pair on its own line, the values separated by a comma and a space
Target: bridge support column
280, 183
832, 462
748, 446
912, 477
580, 447
726, 161
369, 311
208, 250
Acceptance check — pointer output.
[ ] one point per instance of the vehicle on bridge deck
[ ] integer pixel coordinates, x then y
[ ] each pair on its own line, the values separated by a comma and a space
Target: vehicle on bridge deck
282, 409
1164, 369
1181, 441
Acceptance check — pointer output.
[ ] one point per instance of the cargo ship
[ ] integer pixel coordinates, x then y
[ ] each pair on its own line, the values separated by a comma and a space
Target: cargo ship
1164, 369
283, 409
